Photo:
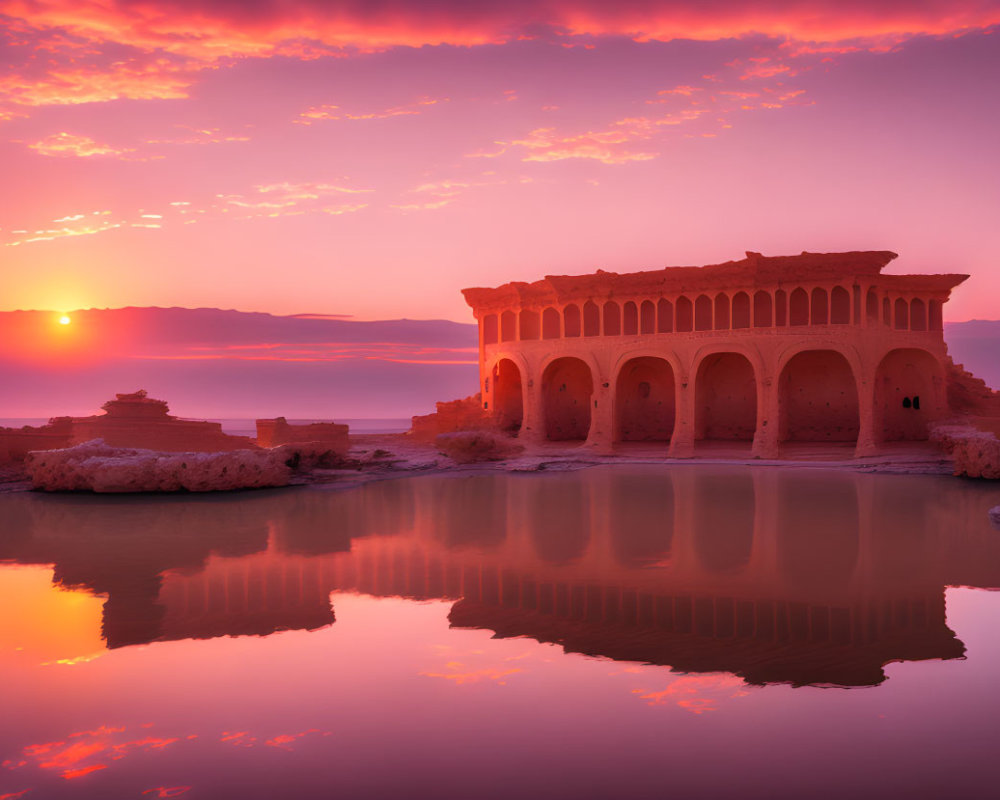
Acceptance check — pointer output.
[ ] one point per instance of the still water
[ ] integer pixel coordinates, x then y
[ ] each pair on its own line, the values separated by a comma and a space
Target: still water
693, 632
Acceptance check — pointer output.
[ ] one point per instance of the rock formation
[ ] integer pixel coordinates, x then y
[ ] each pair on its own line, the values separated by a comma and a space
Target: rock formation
324, 435
455, 415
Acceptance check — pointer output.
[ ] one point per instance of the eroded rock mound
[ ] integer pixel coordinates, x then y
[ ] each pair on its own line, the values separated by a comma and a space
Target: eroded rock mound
466, 414
98, 467
468, 447
976, 453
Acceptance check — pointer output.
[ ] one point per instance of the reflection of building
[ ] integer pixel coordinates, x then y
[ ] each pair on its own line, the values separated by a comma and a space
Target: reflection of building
776, 575
816, 347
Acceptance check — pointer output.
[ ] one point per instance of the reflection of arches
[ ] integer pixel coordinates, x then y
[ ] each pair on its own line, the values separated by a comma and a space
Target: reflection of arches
907, 395
508, 396
703, 313
798, 308
571, 320
817, 528
644, 400
840, 306
819, 398
567, 387
723, 519
725, 398
558, 517
642, 526
591, 319
470, 513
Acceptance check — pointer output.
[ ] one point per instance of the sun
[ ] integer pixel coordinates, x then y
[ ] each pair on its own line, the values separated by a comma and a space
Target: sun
64, 320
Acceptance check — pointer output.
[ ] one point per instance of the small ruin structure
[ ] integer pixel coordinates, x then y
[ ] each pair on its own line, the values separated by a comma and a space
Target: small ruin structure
817, 347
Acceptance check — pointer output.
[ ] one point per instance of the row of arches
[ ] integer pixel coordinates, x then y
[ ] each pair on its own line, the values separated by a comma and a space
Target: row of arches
818, 398
742, 310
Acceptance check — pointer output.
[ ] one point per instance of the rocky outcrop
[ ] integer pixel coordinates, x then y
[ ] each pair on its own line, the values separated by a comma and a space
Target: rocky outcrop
329, 436
976, 453
466, 414
97, 466
970, 395
469, 447
16, 443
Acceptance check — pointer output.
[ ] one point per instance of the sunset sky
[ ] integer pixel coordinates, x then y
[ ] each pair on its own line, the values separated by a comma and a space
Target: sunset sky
373, 158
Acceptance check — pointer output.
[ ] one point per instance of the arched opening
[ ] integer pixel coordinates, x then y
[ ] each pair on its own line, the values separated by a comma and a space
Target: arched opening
647, 317
723, 518
780, 308
644, 401
530, 325
722, 312
762, 310
567, 387
685, 315
902, 315
612, 319
819, 398
886, 312
741, 310
725, 398
508, 396
551, 328
630, 325
819, 308
508, 323
907, 395
918, 315
490, 329
840, 306
571, 320
871, 307
664, 317
798, 308
703, 313
591, 319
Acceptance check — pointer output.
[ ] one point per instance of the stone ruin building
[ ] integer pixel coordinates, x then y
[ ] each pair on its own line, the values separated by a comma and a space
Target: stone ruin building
818, 347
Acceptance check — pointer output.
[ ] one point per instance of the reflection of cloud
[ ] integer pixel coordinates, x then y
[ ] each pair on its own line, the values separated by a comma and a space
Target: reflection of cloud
696, 693
460, 675
165, 791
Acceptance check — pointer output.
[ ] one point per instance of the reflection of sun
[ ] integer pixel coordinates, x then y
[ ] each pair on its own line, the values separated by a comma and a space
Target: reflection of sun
64, 320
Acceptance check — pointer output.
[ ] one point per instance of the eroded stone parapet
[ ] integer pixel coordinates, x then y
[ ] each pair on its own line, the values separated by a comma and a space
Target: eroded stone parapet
324, 435
99, 467
466, 414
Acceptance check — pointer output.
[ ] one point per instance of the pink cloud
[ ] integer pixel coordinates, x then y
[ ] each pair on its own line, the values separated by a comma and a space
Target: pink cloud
74, 145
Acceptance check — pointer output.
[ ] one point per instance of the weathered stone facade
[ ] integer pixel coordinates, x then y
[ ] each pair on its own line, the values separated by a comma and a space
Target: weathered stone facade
819, 347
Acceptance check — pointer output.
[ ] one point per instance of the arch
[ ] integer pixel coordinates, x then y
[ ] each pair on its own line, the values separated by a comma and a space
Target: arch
918, 315
886, 312
781, 308
819, 307
529, 325
508, 324
936, 315
630, 323
571, 321
567, 386
901, 319
722, 312
840, 306
684, 315
798, 308
612, 319
725, 398
723, 509
551, 327
762, 309
508, 396
647, 317
871, 307
907, 374
741, 310
591, 319
703, 313
491, 331
664, 316
644, 400
818, 398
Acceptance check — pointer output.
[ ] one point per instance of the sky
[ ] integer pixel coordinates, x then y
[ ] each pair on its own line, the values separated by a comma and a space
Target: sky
373, 158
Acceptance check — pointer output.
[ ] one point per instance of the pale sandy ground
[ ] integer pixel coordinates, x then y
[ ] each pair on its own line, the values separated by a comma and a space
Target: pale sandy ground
384, 456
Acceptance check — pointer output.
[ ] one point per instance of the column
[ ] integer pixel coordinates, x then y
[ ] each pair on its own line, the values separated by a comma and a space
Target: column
682, 442
533, 424
766, 438
601, 435
868, 439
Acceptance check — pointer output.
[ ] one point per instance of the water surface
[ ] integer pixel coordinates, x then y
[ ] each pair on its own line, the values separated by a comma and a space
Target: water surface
690, 631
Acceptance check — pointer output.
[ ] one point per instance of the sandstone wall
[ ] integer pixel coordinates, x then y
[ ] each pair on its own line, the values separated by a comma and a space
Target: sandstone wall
275, 432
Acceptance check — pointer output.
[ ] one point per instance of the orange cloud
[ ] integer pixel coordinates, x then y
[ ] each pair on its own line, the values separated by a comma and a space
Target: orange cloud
70, 144
331, 112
